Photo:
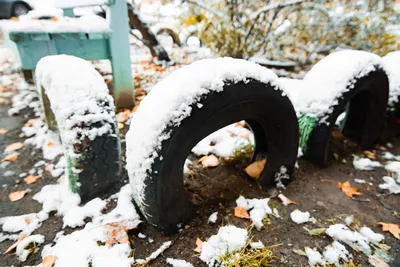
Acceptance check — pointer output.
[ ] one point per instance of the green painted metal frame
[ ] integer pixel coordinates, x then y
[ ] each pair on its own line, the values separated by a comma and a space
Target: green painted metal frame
114, 45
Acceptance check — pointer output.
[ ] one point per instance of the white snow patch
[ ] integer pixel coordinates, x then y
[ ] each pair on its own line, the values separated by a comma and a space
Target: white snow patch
185, 86
259, 209
334, 252
365, 164
355, 240
23, 253
257, 245
391, 62
360, 181
213, 217
300, 217
390, 184
229, 239
314, 257
178, 263
156, 253
371, 236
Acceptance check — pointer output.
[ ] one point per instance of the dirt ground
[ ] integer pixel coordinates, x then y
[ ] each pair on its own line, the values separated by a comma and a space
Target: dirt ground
313, 189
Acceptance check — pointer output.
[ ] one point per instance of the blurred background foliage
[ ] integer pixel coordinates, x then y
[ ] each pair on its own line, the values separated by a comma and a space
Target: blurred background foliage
293, 30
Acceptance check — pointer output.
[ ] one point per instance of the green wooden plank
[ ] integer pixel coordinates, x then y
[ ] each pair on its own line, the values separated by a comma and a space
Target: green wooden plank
69, 36
28, 36
120, 55
99, 35
69, 12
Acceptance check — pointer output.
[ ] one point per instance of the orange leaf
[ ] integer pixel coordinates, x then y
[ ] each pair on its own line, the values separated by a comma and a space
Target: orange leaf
254, 170
116, 232
369, 154
48, 261
14, 18
199, 245
348, 190
29, 123
11, 157
337, 135
30, 179
241, 212
17, 195
394, 229
209, 161
54, 19
377, 262
10, 248
14, 147
49, 144
27, 221
3, 131
285, 200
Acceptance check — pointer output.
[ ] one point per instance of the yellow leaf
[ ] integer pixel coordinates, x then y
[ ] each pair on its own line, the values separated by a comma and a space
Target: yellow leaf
348, 190
14, 147
11, 157
209, 161
48, 261
10, 248
241, 212
17, 195
121, 125
199, 245
255, 169
30, 179
394, 229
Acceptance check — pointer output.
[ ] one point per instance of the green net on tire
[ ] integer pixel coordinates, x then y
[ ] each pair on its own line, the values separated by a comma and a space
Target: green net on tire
306, 125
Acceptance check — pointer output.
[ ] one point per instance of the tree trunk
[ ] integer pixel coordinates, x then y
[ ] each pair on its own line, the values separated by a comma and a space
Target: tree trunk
149, 39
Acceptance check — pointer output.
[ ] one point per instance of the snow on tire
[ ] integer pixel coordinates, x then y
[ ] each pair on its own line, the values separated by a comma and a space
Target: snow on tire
348, 81
187, 106
83, 112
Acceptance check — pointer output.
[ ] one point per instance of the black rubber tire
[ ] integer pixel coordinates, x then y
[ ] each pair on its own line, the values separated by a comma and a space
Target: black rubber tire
272, 119
364, 121
20, 6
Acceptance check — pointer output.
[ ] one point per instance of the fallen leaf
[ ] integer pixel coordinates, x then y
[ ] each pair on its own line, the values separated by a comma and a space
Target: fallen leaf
121, 125
241, 212
29, 123
49, 167
14, 18
10, 248
48, 261
394, 229
285, 200
117, 232
14, 147
54, 19
3, 131
11, 157
337, 135
50, 144
199, 245
377, 262
17, 195
209, 161
348, 190
299, 252
254, 170
317, 231
369, 154
30, 179
27, 221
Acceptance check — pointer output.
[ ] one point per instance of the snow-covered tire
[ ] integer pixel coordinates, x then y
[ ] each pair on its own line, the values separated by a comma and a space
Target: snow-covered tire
365, 106
187, 106
83, 112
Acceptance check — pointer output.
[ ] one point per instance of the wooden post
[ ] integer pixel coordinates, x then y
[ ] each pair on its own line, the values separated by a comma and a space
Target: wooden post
48, 113
120, 54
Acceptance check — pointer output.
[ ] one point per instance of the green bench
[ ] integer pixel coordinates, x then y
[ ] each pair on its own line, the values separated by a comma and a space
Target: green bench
113, 44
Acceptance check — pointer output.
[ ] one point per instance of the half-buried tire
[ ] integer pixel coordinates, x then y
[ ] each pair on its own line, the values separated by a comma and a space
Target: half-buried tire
207, 96
358, 85
76, 102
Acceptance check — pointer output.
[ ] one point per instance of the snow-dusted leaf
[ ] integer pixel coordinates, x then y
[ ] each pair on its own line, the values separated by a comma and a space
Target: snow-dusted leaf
30, 179
377, 262
199, 245
17, 195
48, 261
12, 157
348, 190
254, 170
14, 147
241, 212
394, 229
10, 248
209, 161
